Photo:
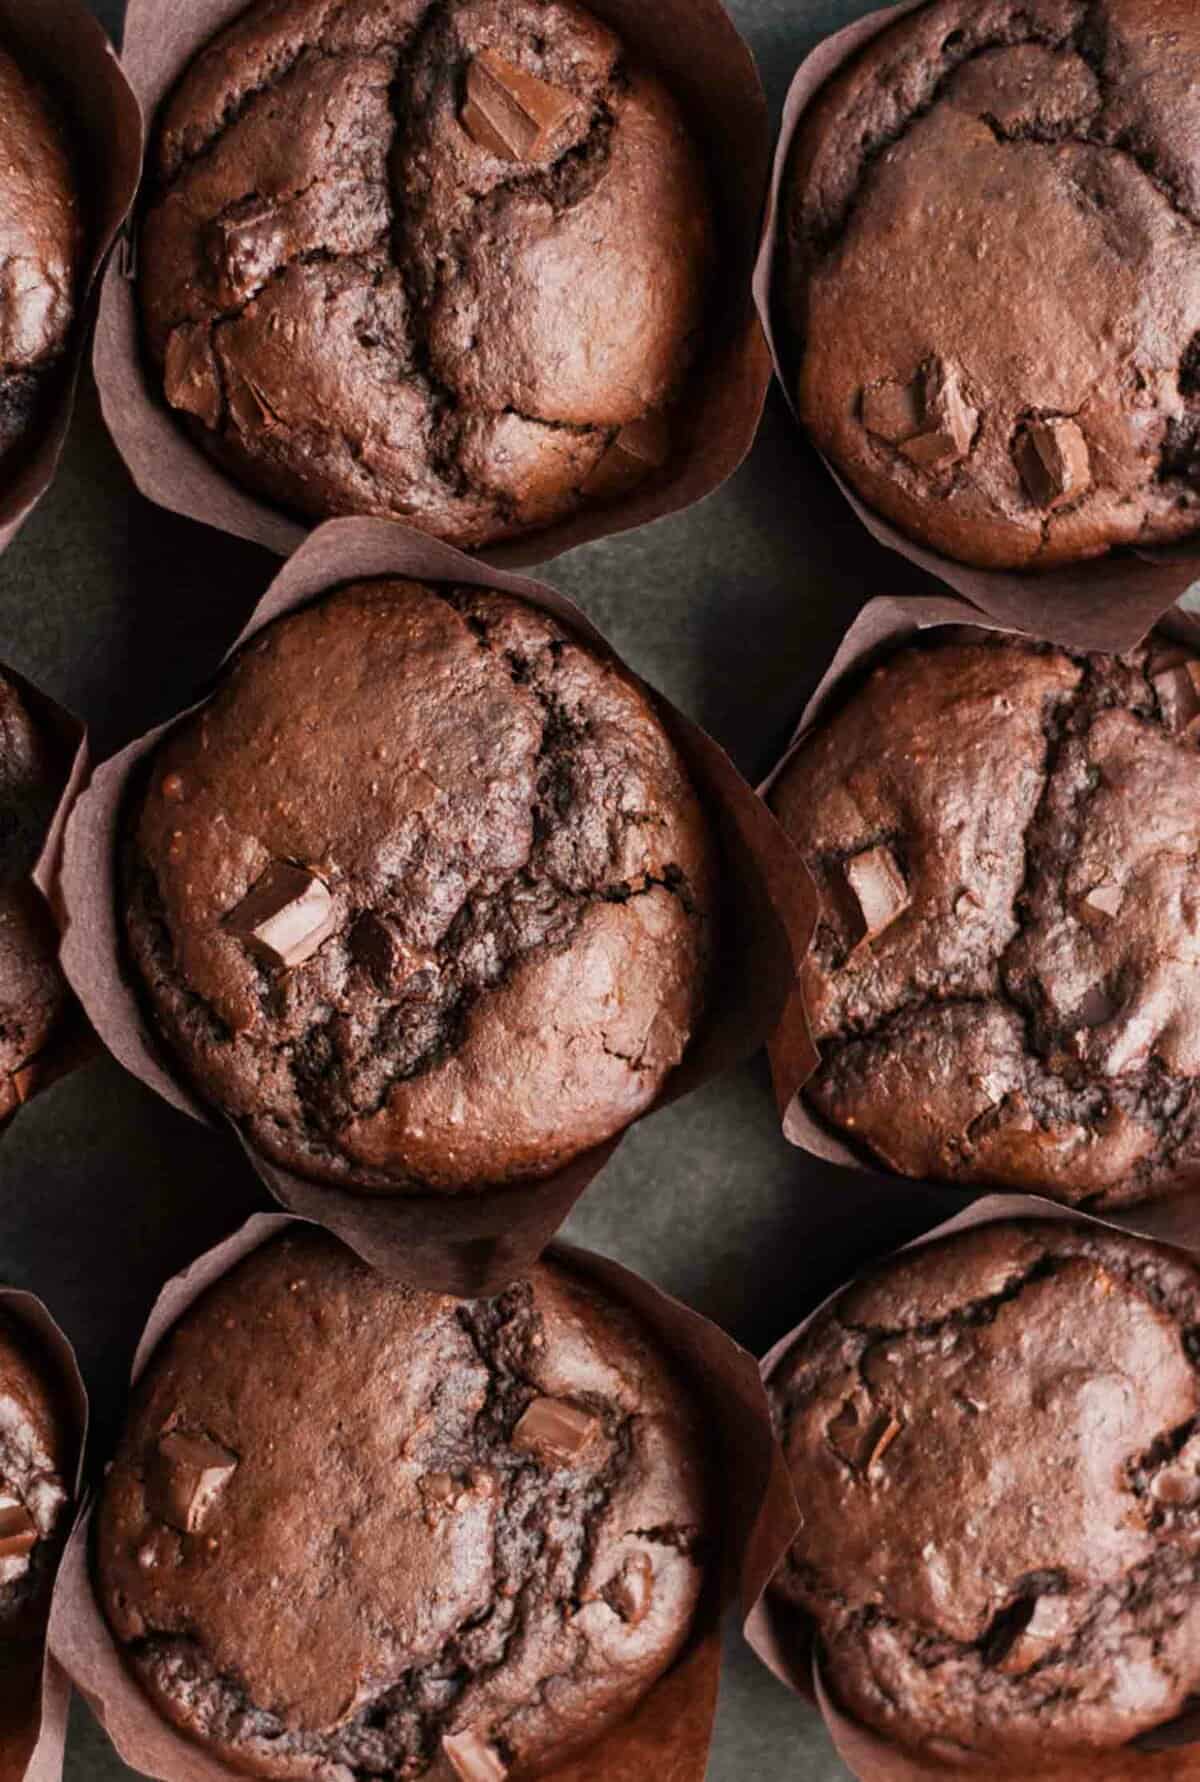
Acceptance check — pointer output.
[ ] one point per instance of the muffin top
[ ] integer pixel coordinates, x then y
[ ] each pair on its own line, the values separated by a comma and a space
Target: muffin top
421, 897
39, 245
34, 1461
439, 261
32, 993
1003, 985
991, 276
994, 1443
396, 1533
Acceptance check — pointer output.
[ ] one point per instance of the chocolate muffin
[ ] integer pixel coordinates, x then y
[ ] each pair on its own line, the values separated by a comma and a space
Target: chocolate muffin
394, 1533
33, 996
441, 260
1003, 984
39, 254
991, 276
34, 1467
994, 1444
422, 897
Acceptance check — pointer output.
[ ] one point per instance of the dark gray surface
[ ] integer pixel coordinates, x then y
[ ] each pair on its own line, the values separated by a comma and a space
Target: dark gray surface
733, 610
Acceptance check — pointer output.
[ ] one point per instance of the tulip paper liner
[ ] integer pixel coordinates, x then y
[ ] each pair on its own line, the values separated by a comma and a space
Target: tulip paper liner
35, 1694
785, 1638
669, 1732
708, 67
1108, 603
467, 1242
64, 46
883, 627
71, 1042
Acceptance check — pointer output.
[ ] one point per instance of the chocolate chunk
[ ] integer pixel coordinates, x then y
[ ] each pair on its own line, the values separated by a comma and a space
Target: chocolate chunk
630, 1592
638, 448
286, 916
948, 421
376, 945
190, 373
18, 1530
872, 893
1100, 904
1178, 692
248, 405
472, 1758
892, 411
184, 1475
509, 112
861, 1434
554, 1430
1049, 1621
1053, 459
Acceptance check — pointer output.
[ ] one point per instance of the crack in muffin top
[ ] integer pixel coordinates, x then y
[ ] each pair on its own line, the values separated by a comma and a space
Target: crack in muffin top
1004, 982
499, 867
995, 1441
1016, 188
436, 259
437, 1528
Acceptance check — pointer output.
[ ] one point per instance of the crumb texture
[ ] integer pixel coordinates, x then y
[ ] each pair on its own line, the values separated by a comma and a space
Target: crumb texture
996, 1445
402, 1559
33, 1490
502, 950
442, 260
1023, 1009
1015, 185
32, 993
39, 251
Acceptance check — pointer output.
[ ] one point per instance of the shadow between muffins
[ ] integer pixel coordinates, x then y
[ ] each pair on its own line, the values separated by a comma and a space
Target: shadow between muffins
65, 45
1106, 604
882, 628
470, 1243
670, 1730
710, 70
33, 1732
784, 1638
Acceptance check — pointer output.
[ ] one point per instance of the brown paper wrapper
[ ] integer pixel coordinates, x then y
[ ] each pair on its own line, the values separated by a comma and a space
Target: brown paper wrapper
785, 1638
883, 627
61, 42
465, 1243
708, 67
72, 1042
670, 1731
35, 1693
1106, 604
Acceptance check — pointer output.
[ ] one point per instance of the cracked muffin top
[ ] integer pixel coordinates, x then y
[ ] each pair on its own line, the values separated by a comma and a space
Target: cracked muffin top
39, 253
33, 996
395, 1533
34, 1463
1004, 983
995, 1442
991, 276
441, 260
422, 897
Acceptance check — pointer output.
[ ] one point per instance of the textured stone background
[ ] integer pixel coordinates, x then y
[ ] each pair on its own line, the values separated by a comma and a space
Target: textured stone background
733, 609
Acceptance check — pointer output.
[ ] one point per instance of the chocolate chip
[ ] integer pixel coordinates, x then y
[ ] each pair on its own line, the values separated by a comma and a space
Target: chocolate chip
184, 1476
286, 916
1178, 692
18, 1530
190, 373
892, 411
872, 893
638, 448
629, 1593
1054, 462
509, 112
376, 945
948, 421
472, 1758
1049, 1620
554, 1430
